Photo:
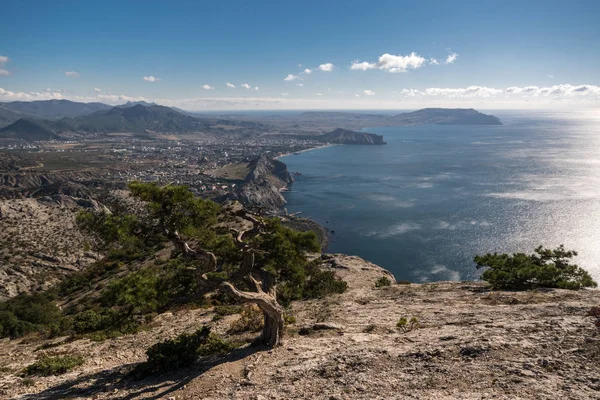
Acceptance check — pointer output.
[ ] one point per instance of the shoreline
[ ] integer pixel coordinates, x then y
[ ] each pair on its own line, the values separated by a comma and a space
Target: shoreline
303, 151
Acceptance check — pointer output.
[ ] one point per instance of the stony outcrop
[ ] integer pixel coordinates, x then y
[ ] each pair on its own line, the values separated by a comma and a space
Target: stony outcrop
264, 183
468, 343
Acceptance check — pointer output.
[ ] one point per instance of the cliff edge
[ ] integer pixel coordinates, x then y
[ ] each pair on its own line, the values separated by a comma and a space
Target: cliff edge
466, 342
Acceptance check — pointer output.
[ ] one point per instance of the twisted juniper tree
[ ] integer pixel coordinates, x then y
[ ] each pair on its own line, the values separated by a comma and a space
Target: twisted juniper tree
270, 253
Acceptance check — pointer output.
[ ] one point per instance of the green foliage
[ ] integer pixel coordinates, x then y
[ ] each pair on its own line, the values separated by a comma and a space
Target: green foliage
383, 282
221, 311
84, 280
545, 268
251, 319
289, 319
215, 345
136, 293
175, 209
131, 289
30, 313
57, 365
92, 320
323, 283
123, 236
407, 325
182, 351
27, 382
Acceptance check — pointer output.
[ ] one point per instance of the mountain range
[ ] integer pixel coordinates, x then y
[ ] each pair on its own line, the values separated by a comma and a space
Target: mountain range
54, 119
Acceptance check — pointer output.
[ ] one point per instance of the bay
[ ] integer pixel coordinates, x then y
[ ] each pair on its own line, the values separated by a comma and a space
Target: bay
426, 203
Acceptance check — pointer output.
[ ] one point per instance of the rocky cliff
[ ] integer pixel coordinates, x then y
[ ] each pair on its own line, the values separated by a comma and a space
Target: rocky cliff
264, 183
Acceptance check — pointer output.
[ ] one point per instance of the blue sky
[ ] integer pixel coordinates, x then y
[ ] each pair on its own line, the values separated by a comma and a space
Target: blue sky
503, 54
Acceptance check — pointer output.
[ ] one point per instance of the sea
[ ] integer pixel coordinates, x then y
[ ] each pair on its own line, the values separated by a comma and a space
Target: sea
435, 196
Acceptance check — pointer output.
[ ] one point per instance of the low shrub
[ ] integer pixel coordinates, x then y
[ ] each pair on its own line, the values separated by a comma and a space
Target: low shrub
545, 268
383, 282
323, 283
251, 320
27, 382
30, 313
289, 319
407, 325
221, 311
182, 351
56, 365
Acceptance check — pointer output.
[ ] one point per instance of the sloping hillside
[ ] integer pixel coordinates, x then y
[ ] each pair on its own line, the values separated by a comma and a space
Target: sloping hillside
467, 343
27, 129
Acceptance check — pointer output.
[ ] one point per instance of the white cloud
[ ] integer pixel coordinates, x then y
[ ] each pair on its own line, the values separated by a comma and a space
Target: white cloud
356, 95
394, 63
471, 91
151, 79
207, 87
230, 85
4, 60
362, 66
433, 61
369, 92
451, 58
550, 93
550, 76
327, 67
97, 90
307, 71
246, 86
391, 63
411, 92
285, 94
72, 74
566, 90
10, 96
256, 88
526, 89
291, 77
300, 84
319, 94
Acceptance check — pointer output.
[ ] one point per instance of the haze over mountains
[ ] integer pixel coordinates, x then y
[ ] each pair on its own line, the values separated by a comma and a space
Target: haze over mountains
47, 120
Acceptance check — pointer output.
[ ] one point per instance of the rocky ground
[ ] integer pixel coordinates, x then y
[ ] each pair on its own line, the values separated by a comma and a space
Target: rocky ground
38, 242
466, 343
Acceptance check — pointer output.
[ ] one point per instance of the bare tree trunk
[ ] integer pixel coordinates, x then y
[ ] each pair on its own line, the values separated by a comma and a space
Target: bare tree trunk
272, 334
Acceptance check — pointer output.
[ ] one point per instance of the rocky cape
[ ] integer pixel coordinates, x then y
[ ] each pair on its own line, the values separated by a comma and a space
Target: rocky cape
259, 183
346, 136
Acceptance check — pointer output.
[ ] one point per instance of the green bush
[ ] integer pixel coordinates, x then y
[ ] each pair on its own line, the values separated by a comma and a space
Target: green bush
323, 283
215, 345
251, 319
383, 281
182, 351
91, 321
221, 311
30, 313
407, 325
57, 365
545, 268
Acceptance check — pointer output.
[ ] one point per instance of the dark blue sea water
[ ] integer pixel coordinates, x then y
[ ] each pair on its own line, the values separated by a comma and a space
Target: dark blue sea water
424, 204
